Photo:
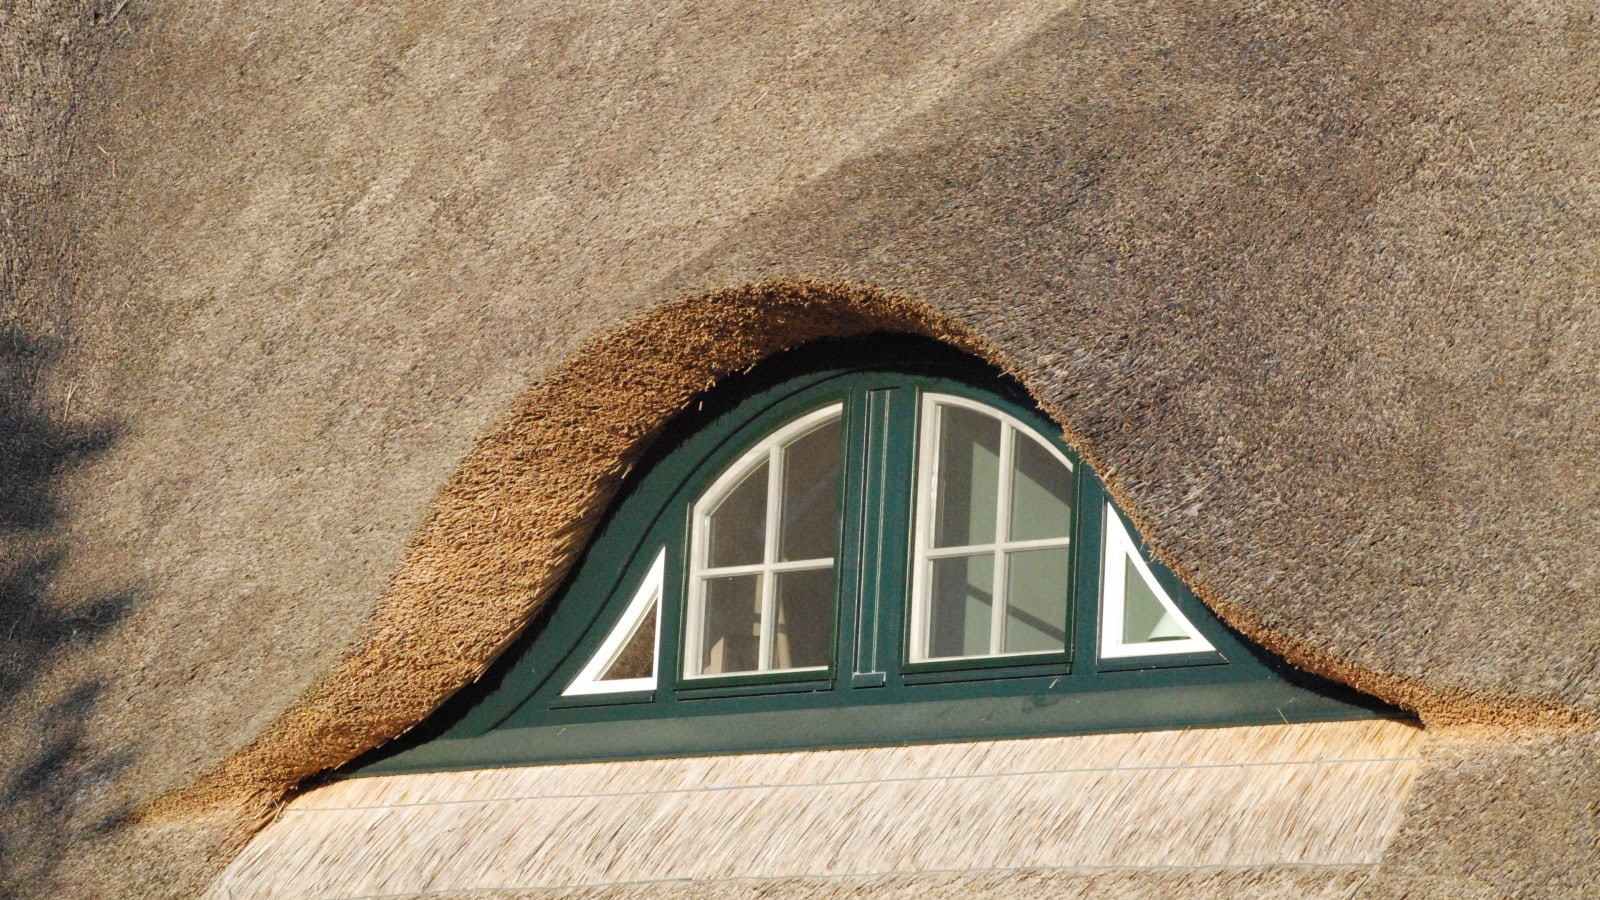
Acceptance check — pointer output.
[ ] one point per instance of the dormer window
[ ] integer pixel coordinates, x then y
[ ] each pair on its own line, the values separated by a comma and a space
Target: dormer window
844, 554
990, 557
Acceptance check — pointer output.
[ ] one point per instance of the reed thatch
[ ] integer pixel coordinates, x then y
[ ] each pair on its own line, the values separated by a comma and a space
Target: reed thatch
1317, 883
328, 333
1324, 795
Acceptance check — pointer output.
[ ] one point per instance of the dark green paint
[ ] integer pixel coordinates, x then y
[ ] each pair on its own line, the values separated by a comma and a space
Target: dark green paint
515, 715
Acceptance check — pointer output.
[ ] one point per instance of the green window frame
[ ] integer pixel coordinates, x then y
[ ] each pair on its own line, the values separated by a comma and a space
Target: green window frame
627, 662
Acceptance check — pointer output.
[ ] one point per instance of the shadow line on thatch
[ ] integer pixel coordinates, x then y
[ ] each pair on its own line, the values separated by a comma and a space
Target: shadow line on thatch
52, 793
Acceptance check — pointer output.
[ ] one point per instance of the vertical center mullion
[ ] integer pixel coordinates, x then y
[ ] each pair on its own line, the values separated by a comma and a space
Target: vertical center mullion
997, 622
769, 591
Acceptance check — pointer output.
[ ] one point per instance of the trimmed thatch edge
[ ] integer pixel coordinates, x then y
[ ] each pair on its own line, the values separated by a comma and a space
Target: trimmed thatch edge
508, 524
1345, 784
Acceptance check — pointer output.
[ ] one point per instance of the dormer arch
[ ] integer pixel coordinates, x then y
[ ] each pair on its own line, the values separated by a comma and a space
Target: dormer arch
873, 541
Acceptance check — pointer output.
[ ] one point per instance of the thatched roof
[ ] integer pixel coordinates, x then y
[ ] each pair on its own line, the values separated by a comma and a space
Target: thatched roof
329, 330
1324, 795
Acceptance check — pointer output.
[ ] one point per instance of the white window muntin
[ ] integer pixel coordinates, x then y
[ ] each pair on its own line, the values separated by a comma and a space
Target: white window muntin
1120, 550
645, 598
926, 503
768, 451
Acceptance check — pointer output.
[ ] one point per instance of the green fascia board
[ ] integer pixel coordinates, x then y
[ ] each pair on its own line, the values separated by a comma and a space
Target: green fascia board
1151, 708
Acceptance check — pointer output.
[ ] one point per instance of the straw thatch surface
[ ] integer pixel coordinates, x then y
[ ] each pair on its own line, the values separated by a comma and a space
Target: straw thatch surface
1288, 795
1313, 883
293, 287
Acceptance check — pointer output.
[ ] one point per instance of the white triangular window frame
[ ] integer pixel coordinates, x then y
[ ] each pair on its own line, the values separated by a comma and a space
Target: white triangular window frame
646, 598
1119, 549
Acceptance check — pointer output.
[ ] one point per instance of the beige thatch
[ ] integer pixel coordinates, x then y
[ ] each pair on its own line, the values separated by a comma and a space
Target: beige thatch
329, 330
1325, 795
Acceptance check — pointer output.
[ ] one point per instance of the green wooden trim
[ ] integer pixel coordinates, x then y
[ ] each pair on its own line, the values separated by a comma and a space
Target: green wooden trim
804, 726
861, 545
869, 694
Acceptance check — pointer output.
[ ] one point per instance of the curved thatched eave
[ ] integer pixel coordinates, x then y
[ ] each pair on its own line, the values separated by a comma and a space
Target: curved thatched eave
1313, 286
504, 530
522, 505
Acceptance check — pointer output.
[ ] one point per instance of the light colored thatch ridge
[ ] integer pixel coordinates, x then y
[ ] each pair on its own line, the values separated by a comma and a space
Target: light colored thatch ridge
1323, 794
763, 887
1150, 877
1233, 883
1312, 882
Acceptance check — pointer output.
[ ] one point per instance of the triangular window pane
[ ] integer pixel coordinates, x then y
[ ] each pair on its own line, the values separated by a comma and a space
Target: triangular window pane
1144, 619
626, 660
638, 656
1137, 618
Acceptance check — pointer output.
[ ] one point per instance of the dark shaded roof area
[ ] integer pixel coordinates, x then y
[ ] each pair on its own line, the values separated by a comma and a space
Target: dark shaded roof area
292, 292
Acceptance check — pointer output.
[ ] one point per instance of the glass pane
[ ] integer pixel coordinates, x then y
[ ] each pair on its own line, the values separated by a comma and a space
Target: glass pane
810, 495
1041, 493
732, 631
1036, 600
737, 532
638, 656
1144, 619
968, 477
958, 610
805, 619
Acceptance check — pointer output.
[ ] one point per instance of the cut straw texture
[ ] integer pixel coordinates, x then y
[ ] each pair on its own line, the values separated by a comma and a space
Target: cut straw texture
1324, 794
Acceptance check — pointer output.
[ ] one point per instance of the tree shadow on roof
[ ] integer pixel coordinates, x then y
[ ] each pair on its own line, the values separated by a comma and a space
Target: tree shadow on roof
57, 789
35, 447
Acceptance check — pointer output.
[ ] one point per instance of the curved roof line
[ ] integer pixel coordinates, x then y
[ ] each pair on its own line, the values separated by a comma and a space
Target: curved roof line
503, 531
